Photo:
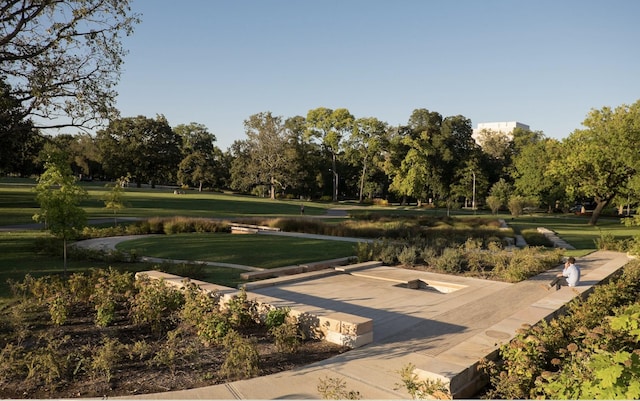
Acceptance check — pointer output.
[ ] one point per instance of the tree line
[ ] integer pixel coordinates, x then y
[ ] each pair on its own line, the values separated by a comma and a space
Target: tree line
332, 155
60, 60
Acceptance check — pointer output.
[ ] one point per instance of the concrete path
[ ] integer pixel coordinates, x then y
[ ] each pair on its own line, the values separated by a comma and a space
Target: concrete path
441, 334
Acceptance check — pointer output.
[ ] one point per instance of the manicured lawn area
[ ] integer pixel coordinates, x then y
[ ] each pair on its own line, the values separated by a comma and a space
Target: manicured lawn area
251, 250
19, 255
575, 230
18, 205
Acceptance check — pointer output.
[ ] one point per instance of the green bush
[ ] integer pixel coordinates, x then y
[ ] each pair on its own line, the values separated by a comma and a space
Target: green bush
155, 303
243, 360
287, 336
583, 354
452, 260
408, 255
276, 317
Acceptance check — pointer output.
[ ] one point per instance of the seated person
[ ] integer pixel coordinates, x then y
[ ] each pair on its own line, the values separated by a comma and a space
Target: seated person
570, 275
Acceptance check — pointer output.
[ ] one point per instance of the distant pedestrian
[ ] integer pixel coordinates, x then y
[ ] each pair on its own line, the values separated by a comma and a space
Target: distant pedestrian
569, 277
301, 209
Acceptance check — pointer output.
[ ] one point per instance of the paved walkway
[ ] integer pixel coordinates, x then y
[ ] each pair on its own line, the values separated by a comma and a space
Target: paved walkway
442, 334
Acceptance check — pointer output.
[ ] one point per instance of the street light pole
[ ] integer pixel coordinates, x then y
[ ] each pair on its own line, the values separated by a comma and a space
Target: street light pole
473, 201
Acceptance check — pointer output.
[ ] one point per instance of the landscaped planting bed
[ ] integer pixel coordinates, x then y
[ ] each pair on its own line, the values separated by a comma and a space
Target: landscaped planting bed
105, 334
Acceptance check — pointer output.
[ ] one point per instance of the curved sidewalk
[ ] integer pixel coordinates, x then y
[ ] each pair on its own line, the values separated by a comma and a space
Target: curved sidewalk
443, 335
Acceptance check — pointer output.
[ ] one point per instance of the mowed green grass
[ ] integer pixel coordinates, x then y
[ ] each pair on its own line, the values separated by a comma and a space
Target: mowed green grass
19, 255
264, 251
18, 204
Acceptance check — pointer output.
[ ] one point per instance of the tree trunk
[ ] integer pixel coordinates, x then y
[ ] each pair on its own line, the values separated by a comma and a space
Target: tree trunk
272, 189
200, 187
364, 172
596, 213
335, 177
64, 256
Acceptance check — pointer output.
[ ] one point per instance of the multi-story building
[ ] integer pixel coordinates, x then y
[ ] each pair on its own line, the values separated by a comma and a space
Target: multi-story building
503, 127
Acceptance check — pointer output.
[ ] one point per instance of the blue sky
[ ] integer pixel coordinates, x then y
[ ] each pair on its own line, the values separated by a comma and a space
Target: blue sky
543, 63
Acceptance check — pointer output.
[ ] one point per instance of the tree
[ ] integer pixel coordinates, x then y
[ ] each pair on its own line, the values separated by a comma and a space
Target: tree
307, 181
201, 158
19, 141
331, 127
114, 199
267, 157
419, 174
63, 57
600, 161
531, 172
364, 147
59, 197
145, 149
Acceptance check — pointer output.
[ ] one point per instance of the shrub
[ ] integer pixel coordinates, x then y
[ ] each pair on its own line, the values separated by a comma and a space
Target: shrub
155, 303
241, 311
452, 260
422, 389
388, 254
287, 336
516, 205
242, 360
105, 357
407, 255
213, 328
276, 317
334, 388
494, 203
111, 291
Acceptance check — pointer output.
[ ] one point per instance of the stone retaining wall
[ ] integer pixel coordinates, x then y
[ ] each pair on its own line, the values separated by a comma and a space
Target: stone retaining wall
335, 327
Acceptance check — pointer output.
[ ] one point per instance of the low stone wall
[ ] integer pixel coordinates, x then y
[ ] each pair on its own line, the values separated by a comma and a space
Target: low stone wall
335, 327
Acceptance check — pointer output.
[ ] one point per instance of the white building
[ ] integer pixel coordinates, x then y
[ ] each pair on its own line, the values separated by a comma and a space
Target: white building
504, 127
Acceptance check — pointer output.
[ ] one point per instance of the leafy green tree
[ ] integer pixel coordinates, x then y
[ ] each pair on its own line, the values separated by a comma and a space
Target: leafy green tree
501, 190
364, 147
19, 141
437, 152
59, 197
331, 127
268, 157
419, 173
145, 149
64, 57
307, 181
531, 172
114, 199
600, 161
201, 158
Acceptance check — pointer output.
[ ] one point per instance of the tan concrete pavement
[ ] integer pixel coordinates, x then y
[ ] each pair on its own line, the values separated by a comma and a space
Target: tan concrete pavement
443, 334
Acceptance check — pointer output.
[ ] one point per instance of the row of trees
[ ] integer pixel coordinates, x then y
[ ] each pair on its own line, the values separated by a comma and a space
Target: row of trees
333, 155
60, 60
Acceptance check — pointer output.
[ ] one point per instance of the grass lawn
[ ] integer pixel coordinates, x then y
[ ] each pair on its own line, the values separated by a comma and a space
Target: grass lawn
19, 256
575, 230
18, 204
264, 251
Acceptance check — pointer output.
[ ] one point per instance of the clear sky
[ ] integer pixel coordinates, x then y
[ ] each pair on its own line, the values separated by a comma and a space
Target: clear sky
545, 63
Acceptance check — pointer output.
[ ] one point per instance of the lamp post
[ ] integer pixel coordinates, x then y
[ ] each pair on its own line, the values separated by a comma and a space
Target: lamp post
473, 199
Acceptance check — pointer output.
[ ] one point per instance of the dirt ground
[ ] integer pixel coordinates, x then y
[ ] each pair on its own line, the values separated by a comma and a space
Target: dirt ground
60, 361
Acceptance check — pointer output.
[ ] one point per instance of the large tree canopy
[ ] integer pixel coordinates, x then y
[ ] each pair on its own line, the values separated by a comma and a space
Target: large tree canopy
143, 148
62, 58
331, 127
601, 161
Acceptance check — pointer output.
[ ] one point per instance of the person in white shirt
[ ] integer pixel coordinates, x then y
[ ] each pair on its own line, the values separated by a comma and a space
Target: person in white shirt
570, 275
